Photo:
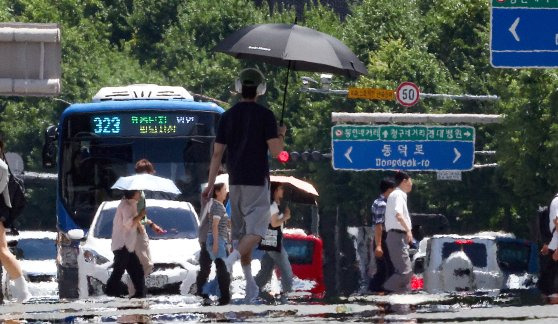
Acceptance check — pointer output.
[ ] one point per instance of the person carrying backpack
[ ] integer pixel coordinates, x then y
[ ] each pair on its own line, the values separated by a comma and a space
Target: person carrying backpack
8, 260
547, 283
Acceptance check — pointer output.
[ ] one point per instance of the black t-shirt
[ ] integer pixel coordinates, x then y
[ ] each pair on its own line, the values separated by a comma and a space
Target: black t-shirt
245, 129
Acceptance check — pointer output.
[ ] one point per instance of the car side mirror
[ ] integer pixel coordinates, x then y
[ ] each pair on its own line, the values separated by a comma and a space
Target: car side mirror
76, 234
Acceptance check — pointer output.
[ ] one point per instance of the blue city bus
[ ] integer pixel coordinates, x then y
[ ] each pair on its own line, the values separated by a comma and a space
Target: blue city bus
99, 142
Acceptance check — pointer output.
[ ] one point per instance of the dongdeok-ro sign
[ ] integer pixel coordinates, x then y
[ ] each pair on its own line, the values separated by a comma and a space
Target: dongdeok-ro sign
413, 148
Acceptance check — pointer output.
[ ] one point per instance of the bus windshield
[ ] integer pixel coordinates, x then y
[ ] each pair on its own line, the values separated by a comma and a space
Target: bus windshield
91, 162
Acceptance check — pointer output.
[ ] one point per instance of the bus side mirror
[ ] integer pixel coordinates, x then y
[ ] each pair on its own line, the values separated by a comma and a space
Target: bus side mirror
49, 147
76, 234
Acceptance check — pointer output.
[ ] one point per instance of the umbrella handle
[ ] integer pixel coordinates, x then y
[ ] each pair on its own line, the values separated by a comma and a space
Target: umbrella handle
285, 93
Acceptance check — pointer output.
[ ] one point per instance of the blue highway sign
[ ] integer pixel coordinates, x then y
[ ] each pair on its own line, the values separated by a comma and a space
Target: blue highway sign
524, 37
413, 148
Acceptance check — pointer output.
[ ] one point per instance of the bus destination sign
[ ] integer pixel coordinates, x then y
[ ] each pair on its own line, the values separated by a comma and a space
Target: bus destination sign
142, 124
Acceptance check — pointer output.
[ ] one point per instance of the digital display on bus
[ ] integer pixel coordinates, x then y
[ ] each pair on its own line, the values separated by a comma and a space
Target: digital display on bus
143, 124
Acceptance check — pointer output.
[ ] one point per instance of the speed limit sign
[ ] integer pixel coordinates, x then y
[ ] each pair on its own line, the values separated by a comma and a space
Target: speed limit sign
407, 94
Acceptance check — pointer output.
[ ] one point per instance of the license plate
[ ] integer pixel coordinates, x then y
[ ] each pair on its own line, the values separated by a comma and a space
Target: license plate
156, 281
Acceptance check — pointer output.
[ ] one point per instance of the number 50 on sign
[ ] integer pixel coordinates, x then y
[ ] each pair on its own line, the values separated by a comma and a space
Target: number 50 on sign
407, 94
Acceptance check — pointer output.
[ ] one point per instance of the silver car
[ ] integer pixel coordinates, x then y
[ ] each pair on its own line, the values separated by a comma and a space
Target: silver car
482, 261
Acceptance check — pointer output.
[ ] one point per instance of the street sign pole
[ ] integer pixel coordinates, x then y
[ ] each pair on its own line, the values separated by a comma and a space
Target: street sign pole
524, 34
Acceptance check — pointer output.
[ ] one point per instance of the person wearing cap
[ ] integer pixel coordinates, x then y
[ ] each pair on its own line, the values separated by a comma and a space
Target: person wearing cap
247, 131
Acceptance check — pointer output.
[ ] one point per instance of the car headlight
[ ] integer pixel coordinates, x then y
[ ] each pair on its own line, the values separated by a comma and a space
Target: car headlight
93, 257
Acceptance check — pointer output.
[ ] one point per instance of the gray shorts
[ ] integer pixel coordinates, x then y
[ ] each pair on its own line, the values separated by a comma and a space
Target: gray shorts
250, 211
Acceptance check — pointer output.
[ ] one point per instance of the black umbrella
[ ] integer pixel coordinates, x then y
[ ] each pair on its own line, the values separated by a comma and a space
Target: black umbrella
296, 47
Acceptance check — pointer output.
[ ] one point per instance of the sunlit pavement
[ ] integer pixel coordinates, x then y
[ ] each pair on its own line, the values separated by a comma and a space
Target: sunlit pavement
392, 308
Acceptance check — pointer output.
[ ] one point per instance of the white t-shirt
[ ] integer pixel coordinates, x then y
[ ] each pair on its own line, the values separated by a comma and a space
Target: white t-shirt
397, 204
552, 214
4, 178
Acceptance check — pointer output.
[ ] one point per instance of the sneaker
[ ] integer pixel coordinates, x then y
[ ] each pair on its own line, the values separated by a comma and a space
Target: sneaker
21, 291
206, 301
283, 298
224, 301
267, 297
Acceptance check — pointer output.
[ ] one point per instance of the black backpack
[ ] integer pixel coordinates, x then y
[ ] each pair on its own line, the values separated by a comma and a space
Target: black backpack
17, 199
544, 219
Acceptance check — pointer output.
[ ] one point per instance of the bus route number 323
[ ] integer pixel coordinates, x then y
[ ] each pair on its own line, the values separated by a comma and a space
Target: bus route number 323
106, 125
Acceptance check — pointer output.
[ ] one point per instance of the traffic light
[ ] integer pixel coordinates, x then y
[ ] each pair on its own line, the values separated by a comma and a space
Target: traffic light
283, 157
307, 156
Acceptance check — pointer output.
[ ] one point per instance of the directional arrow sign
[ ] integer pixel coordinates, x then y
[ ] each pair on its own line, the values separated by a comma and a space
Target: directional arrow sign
424, 148
524, 33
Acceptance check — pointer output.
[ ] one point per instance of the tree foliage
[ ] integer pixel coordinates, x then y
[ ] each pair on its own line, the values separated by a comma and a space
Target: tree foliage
441, 45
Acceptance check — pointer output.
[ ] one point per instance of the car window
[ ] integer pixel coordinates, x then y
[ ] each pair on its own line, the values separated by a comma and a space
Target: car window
475, 251
35, 249
299, 251
513, 256
179, 223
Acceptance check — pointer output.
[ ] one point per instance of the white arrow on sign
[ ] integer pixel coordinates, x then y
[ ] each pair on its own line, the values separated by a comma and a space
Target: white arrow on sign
348, 154
457, 155
513, 27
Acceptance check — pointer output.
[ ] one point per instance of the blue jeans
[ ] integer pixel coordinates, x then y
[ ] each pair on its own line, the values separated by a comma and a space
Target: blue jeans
281, 260
211, 287
221, 253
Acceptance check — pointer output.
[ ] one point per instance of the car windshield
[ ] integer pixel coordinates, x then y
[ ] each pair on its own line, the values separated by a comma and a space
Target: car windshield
475, 251
36, 249
178, 222
513, 256
299, 251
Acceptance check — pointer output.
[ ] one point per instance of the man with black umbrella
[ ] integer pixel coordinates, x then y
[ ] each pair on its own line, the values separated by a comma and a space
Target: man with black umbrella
247, 130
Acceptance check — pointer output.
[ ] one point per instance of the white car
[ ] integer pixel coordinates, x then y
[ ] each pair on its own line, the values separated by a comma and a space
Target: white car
36, 252
482, 261
173, 253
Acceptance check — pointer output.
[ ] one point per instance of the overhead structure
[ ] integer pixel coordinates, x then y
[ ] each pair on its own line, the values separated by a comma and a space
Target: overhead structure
395, 118
31, 58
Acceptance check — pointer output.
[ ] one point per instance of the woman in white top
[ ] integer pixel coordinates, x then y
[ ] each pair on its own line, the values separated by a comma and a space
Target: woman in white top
277, 258
7, 259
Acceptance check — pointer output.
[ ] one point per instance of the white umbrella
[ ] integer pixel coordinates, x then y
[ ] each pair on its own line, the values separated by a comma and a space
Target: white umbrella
145, 181
298, 190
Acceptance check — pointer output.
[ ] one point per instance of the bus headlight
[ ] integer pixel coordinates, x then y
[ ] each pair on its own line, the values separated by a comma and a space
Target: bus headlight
93, 257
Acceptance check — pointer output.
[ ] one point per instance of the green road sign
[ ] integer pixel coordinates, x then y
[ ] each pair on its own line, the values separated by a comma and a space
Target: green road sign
525, 3
403, 133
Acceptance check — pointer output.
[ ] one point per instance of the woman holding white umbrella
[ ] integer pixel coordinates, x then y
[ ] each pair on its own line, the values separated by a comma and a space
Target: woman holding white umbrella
144, 180
124, 238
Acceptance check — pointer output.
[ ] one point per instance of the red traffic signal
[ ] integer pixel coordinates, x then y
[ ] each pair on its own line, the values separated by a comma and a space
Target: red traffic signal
283, 157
